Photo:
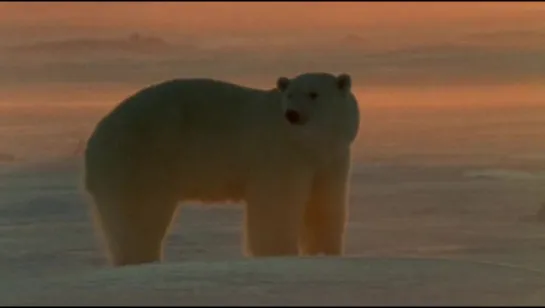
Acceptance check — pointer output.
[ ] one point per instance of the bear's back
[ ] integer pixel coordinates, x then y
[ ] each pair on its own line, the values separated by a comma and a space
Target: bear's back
192, 123
194, 103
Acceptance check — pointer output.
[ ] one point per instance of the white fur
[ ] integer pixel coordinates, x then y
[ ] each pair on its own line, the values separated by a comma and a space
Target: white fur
212, 141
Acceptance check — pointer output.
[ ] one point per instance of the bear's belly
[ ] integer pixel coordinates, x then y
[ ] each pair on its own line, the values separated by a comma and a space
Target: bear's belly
212, 191
212, 179
216, 167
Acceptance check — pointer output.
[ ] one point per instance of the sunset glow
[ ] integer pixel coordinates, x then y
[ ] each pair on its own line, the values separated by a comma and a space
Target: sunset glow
82, 58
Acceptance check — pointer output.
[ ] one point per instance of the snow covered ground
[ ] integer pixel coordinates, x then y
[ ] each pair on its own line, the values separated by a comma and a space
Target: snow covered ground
417, 235
317, 281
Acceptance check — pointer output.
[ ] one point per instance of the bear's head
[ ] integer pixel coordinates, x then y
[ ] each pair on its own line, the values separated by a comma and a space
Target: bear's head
321, 106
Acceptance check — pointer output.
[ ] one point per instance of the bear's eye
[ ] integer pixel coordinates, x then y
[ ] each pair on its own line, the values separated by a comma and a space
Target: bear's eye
313, 95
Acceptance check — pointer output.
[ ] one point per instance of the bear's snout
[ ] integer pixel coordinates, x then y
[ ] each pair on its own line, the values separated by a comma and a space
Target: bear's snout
293, 117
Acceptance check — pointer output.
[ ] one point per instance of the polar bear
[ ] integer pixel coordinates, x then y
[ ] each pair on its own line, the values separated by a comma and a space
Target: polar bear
285, 153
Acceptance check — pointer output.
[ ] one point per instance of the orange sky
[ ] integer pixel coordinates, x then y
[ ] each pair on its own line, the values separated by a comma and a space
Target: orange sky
449, 39
207, 18
507, 73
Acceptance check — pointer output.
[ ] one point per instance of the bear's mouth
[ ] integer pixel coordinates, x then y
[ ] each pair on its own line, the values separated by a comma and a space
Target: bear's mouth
293, 117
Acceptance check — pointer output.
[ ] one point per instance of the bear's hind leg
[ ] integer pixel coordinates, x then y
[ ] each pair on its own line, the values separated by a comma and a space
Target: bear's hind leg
134, 228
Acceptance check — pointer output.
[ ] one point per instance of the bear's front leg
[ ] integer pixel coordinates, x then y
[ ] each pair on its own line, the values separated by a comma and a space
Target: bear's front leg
326, 211
274, 215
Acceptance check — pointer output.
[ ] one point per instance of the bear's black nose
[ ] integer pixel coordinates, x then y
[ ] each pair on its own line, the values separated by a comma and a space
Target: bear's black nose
293, 116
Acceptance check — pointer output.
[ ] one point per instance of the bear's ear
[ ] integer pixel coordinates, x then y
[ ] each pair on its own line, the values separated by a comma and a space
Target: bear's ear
344, 82
282, 83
